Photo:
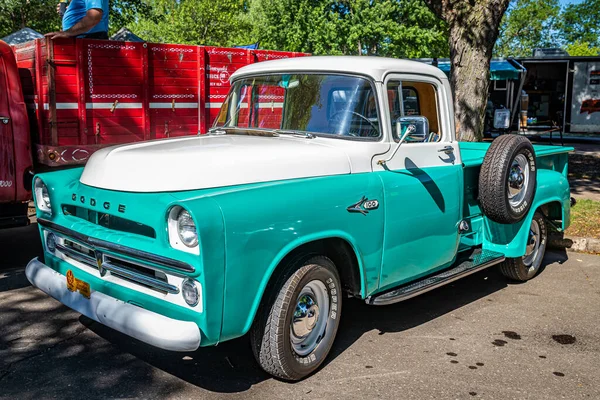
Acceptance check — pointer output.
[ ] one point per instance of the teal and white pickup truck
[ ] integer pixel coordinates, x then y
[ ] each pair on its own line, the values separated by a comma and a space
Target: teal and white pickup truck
323, 178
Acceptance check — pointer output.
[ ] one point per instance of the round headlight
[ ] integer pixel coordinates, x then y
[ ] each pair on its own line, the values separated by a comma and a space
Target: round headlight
42, 195
51, 242
46, 196
189, 290
186, 229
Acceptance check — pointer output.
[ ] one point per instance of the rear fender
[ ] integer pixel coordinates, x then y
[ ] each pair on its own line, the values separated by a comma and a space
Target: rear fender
511, 239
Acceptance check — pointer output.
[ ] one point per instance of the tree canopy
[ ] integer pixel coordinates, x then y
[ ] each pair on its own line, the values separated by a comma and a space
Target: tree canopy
581, 23
531, 24
580, 48
41, 15
395, 28
209, 22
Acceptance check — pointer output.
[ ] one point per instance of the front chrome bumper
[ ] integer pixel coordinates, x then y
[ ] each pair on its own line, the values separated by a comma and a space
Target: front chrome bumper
147, 326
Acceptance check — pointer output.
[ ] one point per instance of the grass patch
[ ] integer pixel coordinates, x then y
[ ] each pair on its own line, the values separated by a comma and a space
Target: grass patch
585, 219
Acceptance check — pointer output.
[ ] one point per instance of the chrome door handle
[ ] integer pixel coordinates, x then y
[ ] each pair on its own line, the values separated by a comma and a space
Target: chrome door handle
4, 120
446, 149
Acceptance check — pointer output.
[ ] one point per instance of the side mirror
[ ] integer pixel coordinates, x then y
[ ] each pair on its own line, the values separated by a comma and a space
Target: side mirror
408, 129
419, 128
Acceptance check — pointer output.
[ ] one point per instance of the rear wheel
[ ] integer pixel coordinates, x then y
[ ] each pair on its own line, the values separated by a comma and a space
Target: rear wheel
295, 327
526, 267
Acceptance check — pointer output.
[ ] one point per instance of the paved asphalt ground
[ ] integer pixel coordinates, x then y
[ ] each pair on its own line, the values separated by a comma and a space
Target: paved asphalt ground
584, 188
481, 337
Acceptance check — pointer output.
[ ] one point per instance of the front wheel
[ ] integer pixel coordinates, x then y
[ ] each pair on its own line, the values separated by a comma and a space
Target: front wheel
294, 330
526, 267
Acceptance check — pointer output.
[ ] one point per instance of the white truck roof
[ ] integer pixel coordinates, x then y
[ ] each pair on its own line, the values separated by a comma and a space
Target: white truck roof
374, 67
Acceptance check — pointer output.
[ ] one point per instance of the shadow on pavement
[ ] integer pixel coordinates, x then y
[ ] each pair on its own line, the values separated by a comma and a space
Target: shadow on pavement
17, 247
46, 348
230, 367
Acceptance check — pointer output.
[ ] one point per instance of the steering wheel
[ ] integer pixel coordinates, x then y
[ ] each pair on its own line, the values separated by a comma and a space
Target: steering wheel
337, 113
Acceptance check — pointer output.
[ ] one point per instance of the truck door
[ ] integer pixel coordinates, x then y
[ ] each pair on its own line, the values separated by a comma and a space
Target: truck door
7, 159
422, 183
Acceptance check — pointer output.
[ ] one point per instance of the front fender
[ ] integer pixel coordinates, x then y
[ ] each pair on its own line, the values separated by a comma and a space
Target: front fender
264, 223
511, 239
209, 223
329, 234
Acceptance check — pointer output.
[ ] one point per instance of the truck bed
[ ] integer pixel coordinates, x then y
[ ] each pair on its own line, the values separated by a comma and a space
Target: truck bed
472, 153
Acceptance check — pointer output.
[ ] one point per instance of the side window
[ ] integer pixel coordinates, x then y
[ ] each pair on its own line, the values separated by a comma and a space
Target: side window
413, 103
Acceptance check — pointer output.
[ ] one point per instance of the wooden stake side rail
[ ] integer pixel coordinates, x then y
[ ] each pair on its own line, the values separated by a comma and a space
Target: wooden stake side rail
85, 94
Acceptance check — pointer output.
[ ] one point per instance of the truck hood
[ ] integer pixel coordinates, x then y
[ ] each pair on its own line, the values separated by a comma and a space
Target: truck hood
202, 162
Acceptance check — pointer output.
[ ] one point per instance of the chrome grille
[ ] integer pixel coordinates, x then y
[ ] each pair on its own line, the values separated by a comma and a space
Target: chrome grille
78, 252
122, 267
137, 273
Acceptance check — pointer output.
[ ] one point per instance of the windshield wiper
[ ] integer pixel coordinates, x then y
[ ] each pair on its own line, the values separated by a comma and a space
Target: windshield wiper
217, 131
237, 130
304, 134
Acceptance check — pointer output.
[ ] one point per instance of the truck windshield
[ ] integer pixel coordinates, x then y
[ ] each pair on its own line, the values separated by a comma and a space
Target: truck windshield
319, 104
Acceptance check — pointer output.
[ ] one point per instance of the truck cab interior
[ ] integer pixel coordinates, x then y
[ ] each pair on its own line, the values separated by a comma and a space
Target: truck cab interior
414, 99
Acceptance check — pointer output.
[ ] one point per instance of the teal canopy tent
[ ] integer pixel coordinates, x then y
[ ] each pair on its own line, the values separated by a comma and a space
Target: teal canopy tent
499, 70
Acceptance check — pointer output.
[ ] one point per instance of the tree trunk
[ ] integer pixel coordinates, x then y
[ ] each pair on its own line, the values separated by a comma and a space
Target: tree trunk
474, 27
469, 79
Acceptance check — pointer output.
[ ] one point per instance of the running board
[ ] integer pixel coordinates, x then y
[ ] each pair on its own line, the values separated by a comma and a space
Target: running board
476, 261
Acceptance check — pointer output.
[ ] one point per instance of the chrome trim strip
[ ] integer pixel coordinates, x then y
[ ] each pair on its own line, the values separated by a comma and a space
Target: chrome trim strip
379, 300
74, 254
128, 251
107, 257
140, 278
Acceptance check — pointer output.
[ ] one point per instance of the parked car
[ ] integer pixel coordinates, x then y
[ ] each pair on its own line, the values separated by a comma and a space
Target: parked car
307, 190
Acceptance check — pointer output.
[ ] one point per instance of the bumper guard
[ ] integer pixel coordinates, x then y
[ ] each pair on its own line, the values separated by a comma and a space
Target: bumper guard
147, 326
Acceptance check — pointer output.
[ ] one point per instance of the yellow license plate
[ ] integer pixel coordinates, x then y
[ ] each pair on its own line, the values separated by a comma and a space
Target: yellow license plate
77, 285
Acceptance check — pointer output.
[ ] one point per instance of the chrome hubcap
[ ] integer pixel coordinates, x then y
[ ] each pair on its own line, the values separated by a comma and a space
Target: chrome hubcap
518, 180
308, 325
532, 252
305, 317
532, 242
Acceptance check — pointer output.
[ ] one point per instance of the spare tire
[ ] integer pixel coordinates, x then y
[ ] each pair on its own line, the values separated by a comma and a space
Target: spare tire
508, 179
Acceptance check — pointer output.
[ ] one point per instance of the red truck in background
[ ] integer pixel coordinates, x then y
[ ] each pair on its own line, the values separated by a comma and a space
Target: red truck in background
62, 100
15, 144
